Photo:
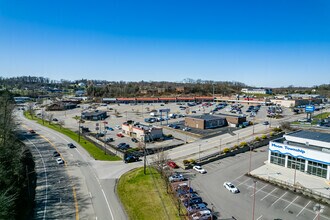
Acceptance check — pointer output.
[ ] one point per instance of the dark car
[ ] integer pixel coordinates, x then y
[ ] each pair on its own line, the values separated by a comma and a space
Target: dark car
135, 140
109, 140
176, 127
71, 145
131, 158
56, 154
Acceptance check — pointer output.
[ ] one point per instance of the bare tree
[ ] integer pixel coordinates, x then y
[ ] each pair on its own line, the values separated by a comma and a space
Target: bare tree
49, 117
43, 116
30, 109
61, 123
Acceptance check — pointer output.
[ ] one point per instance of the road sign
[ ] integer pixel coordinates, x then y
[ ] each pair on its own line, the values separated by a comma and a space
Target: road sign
309, 108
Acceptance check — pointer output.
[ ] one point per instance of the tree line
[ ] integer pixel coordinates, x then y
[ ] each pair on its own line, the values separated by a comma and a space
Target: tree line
17, 177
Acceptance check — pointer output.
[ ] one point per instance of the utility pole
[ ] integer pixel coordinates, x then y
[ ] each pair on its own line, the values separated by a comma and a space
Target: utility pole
220, 148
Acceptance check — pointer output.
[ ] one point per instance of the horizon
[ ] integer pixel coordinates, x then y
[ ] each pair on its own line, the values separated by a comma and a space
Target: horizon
269, 44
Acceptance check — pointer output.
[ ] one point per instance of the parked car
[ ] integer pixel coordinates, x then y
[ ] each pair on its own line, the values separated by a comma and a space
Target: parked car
120, 135
202, 215
172, 164
71, 145
118, 127
131, 158
55, 119
186, 129
197, 207
109, 139
193, 112
176, 127
59, 161
193, 201
265, 123
56, 154
230, 187
176, 178
109, 128
135, 140
199, 169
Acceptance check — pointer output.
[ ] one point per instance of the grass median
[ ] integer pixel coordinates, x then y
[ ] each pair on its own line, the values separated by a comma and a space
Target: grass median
94, 151
145, 196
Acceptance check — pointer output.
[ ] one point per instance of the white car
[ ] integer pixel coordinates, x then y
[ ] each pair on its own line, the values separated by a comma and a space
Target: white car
199, 169
186, 129
59, 161
230, 187
202, 215
118, 127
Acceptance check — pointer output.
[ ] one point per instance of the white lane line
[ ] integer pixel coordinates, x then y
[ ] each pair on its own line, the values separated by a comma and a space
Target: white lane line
260, 189
278, 199
268, 194
260, 217
46, 182
107, 204
291, 203
243, 182
303, 208
237, 178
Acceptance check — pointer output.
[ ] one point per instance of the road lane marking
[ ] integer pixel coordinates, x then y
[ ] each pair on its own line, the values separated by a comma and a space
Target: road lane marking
278, 199
107, 204
268, 194
260, 189
303, 208
46, 182
291, 203
66, 168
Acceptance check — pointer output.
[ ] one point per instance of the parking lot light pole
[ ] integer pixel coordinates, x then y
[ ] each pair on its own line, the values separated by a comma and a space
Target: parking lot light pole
105, 135
220, 148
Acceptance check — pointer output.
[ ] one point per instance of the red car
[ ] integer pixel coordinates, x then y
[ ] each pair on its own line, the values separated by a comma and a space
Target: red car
172, 164
120, 135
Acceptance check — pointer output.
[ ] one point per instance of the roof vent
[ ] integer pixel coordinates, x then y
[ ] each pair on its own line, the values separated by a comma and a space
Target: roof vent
285, 142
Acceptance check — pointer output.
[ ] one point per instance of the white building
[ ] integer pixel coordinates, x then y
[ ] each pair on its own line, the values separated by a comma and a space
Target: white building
142, 132
256, 91
305, 151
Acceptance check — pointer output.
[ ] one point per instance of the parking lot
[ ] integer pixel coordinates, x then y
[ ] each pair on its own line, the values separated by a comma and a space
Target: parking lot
271, 202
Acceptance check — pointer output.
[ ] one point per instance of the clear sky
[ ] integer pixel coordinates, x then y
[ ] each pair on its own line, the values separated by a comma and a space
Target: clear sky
266, 43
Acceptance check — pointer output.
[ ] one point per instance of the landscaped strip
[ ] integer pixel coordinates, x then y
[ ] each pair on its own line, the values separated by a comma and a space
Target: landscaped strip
94, 151
145, 196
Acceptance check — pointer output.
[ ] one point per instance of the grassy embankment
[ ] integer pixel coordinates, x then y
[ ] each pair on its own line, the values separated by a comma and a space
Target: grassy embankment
94, 151
145, 196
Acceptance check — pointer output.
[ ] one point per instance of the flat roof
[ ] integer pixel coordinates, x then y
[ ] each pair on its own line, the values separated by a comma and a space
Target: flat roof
205, 117
317, 136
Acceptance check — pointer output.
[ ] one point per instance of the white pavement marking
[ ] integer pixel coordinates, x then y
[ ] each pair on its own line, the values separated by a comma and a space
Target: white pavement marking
268, 194
46, 182
303, 208
260, 217
278, 199
107, 204
317, 215
260, 189
237, 178
291, 203
243, 182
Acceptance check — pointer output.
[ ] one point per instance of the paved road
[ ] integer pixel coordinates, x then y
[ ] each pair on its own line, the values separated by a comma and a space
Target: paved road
270, 202
95, 200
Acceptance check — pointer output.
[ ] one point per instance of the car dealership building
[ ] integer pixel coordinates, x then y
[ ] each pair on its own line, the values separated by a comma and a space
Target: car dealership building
305, 151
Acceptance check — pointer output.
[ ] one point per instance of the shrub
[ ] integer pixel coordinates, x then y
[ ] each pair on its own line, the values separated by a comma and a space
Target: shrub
235, 147
226, 150
185, 162
277, 129
271, 134
264, 136
169, 135
257, 138
192, 161
243, 144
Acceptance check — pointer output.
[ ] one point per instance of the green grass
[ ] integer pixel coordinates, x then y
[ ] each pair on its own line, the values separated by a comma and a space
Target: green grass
322, 115
144, 198
94, 151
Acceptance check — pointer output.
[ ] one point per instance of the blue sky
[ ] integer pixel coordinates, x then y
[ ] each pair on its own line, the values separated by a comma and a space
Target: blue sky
261, 43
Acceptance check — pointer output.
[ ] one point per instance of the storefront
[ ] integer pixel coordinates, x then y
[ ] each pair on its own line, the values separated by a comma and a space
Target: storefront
305, 151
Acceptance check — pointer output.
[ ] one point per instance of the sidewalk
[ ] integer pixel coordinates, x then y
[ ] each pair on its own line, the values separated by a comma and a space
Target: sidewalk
304, 182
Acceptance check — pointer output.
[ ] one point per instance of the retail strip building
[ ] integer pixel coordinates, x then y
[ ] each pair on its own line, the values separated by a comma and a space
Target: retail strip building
305, 151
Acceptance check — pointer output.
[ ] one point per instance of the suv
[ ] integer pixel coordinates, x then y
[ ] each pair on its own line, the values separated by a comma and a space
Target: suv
71, 145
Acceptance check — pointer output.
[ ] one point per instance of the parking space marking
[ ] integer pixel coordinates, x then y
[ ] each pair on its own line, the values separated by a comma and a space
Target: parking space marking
260, 217
278, 199
268, 194
243, 182
291, 203
303, 208
237, 177
260, 189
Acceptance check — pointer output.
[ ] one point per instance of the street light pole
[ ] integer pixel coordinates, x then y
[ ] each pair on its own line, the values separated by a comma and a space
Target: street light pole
220, 147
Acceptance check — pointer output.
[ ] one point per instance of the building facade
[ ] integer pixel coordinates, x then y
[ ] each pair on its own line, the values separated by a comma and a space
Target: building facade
304, 151
142, 132
205, 121
256, 91
94, 116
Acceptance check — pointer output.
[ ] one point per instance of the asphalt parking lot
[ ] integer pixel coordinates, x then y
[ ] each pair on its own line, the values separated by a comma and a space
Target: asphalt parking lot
271, 202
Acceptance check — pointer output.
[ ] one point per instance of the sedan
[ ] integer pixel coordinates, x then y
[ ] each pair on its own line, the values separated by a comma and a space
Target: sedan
135, 140
199, 169
230, 187
172, 164
56, 154
59, 161
120, 135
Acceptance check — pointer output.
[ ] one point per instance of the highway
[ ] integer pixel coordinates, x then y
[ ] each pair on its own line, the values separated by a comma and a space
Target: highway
89, 195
